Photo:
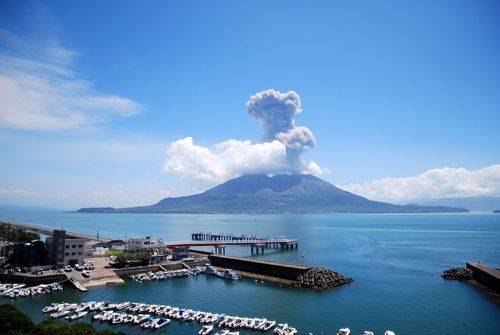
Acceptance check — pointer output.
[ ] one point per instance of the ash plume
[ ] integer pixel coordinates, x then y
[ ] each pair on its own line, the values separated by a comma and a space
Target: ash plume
276, 112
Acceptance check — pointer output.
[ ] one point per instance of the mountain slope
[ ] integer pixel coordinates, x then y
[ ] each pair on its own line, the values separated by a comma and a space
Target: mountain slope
260, 194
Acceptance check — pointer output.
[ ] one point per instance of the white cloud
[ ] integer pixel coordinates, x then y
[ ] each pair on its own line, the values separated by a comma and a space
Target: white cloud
46, 93
16, 192
209, 166
279, 152
436, 183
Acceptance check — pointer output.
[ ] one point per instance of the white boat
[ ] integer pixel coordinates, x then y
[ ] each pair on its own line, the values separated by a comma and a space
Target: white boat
229, 274
389, 332
281, 327
147, 324
98, 317
209, 270
117, 319
140, 317
367, 332
78, 315
59, 314
268, 324
161, 322
205, 330
344, 331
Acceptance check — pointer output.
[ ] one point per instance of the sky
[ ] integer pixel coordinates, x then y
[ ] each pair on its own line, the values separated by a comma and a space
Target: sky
121, 103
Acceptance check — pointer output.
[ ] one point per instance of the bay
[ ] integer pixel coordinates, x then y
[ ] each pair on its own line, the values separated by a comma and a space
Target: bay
395, 260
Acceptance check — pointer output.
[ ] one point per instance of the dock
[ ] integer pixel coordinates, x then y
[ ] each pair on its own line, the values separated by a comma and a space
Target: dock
220, 241
208, 236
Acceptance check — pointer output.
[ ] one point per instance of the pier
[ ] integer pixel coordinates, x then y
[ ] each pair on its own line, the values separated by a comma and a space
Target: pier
207, 236
220, 241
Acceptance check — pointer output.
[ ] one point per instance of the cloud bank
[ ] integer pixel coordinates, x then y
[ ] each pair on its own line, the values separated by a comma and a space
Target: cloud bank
437, 183
279, 151
40, 89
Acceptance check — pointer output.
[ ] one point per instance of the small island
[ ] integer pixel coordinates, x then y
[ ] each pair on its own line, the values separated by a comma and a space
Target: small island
497, 211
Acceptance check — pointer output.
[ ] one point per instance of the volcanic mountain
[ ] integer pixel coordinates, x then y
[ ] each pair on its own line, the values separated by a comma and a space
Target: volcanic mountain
283, 193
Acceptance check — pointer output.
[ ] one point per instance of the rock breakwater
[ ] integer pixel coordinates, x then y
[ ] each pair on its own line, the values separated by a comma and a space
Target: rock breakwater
321, 279
459, 273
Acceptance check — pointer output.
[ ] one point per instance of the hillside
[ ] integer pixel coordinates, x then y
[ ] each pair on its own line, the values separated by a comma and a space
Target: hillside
260, 194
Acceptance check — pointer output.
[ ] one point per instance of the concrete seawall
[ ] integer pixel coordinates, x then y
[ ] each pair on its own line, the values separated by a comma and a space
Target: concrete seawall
284, 271
486, 276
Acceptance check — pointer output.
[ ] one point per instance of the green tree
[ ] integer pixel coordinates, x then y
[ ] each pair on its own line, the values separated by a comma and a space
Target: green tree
14, 322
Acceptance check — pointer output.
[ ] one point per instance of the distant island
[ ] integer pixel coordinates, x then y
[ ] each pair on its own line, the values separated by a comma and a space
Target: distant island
496, 211
279, 194
474, 204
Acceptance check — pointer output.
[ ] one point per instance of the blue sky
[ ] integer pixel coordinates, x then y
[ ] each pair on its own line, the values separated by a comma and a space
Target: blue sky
389, 90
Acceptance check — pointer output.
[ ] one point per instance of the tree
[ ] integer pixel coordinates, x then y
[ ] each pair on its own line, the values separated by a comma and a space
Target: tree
14, 322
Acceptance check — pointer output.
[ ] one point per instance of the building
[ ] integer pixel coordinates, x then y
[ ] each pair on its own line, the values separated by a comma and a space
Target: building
27, 254
55, 247
179, 253
144, 243
73, 251
63, 250
158, 258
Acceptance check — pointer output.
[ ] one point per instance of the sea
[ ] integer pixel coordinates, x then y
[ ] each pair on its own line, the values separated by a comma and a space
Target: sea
395, 261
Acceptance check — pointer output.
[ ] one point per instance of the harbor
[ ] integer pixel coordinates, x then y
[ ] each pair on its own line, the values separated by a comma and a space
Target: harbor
152, 316
345, 247
101, 273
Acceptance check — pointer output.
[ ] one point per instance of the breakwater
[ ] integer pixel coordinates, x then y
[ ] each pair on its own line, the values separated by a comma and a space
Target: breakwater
292, 275
486, 275
284, 271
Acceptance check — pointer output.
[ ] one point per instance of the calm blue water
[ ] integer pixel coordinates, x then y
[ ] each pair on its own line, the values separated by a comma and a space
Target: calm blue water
395, 261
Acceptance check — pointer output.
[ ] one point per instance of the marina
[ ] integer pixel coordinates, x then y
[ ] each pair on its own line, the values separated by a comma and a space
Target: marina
151, 316
162, 275
370, 248
167, 274
20, 291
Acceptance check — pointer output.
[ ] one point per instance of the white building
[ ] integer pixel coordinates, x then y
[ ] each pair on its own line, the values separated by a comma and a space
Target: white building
63, 250
73, 251
144, 243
